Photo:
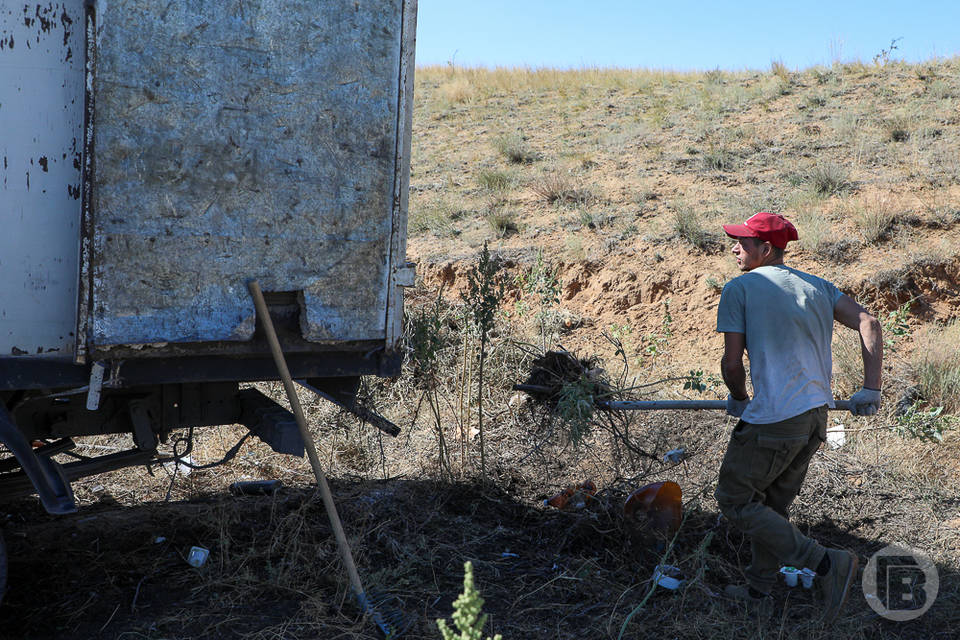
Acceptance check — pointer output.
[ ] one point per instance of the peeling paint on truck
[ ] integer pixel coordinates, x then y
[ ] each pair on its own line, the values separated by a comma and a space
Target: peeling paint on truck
41, 102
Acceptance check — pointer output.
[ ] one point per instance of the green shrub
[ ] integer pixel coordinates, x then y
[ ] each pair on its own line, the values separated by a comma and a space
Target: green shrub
923, 424
467, 616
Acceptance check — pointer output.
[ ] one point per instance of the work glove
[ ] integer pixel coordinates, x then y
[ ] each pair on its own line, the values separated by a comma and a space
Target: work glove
736, 407
865, 402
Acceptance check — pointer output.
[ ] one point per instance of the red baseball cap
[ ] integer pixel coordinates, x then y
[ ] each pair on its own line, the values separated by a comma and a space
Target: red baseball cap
769, 227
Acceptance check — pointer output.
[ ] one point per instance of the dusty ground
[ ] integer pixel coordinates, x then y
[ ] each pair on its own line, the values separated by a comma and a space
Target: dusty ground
622, 182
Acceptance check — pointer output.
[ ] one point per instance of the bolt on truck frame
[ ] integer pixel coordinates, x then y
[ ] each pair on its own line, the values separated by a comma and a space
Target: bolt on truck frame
155, 158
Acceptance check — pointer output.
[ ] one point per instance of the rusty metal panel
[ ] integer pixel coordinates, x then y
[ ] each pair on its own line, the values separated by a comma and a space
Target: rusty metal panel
237, 140
41, 118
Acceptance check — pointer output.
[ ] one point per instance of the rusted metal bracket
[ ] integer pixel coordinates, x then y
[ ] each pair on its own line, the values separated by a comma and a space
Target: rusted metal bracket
18, 485
44, 474
343, 393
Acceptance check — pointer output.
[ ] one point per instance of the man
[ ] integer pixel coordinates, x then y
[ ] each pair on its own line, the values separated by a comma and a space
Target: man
783, 318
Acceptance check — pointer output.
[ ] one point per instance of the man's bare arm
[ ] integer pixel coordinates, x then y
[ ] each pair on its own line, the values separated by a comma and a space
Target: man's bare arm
731, 365
850, 314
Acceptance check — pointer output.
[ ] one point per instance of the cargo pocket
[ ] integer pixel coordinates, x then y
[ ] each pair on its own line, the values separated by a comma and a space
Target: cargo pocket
775, 453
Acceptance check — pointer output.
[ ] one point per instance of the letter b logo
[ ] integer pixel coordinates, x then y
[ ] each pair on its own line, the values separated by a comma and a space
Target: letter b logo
900, 583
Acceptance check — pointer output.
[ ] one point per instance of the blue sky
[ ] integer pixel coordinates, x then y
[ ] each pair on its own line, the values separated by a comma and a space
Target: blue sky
682, 34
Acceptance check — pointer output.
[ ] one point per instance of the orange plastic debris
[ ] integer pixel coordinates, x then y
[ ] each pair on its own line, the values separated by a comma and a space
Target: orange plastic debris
574, 496
661, 503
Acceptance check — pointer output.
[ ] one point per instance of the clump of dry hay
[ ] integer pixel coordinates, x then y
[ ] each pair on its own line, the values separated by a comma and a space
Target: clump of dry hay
552, 372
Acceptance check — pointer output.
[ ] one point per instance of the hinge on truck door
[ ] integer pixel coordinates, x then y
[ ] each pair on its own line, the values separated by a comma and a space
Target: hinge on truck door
404, 275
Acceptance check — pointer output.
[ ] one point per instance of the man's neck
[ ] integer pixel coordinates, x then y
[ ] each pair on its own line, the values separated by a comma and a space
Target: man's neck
773, 262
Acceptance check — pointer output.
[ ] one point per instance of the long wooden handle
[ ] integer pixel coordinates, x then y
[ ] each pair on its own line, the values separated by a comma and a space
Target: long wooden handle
331, 508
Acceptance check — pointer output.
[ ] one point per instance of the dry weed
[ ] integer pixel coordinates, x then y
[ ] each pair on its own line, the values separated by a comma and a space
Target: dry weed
457, 91
560, 188
874, 218
830, 178
515, 149
936, 366
495, 180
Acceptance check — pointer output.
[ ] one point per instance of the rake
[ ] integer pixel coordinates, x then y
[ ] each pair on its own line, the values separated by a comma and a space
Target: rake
391, 622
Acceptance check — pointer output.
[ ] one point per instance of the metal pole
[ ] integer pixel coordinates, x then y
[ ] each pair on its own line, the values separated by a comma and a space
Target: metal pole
656, 405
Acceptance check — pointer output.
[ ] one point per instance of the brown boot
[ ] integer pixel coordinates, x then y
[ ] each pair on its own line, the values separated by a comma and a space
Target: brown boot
835, 585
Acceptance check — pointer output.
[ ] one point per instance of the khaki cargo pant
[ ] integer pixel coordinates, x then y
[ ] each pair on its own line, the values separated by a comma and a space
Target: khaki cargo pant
760, 476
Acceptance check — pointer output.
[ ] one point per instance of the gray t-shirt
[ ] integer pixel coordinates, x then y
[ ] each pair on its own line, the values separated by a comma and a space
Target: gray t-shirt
787, 318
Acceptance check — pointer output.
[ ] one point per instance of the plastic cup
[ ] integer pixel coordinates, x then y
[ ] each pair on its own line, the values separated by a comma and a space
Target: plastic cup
806, 578
790, 575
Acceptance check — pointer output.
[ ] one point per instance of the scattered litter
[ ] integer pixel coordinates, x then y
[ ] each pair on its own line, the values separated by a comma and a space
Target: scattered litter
676, 456
573, 497
507, 554
518, 399
197, 556
97, 488
177, 466
836, 436
657, 505
668, 577
159, 539
255, 487
791, 574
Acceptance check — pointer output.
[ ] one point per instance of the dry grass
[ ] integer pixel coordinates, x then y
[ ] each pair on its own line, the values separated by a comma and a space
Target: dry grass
457, 91
875, 217
501, 218
495, 180
830, 178
936, 366
559, 188
515, 149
